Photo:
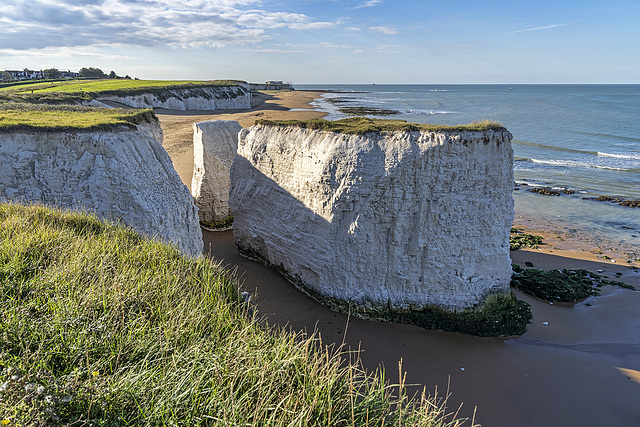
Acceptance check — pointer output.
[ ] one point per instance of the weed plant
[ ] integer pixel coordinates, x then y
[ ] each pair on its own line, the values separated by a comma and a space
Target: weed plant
99, 326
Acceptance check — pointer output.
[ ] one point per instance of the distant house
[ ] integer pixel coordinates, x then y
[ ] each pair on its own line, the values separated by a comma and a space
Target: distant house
18, 75
271, 85
26, 74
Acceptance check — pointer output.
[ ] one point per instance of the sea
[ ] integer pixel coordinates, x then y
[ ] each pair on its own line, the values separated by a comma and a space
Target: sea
580, 140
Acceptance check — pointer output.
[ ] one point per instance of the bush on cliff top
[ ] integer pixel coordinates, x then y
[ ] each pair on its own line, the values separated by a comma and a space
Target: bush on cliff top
100, 326
29, 117
362, 125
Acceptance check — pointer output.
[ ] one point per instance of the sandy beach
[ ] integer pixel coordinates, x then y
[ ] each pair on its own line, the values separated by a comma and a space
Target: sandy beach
576, 364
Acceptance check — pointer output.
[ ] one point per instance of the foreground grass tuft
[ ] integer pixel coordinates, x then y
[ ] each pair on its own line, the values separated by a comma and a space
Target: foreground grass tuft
362, 125
100, 326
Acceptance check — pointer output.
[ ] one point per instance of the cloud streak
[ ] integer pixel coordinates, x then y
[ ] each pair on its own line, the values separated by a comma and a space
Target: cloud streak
39, 24
538, 28
368, 3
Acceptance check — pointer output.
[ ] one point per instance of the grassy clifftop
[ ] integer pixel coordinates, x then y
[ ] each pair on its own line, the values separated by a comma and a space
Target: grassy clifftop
32, 117
74, 91
100, 326
362, 125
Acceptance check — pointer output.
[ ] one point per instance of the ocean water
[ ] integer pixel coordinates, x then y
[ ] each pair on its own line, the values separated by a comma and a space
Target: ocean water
584, 138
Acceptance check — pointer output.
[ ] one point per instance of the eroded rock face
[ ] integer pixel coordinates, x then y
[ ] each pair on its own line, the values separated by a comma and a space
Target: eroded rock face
397, 221
120, 175
215, 144
197, 98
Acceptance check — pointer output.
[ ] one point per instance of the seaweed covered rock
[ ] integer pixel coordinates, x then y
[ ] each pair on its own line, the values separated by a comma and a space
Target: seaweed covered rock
378, 222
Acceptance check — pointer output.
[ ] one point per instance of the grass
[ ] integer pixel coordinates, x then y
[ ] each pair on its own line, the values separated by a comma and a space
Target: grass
30, 117
362, 125
78, 91
106, 85
100, 326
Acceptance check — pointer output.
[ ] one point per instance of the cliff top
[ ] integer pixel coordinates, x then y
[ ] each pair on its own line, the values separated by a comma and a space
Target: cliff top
362, 125
16, 117
76, 90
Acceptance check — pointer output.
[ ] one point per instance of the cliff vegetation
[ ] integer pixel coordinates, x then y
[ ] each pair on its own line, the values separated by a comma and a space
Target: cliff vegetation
100, 326
40, 118
363, 125
76, 91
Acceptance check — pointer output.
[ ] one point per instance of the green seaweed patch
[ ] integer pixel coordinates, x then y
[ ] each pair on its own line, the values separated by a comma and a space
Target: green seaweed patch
560, 285
363, 125
519, 240
221, 224
367, 111
500, 315
16, 117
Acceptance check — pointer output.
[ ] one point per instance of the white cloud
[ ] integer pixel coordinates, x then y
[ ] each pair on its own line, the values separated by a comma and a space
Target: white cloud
40, 24
385, 30
353, 29
368, 3
538, 28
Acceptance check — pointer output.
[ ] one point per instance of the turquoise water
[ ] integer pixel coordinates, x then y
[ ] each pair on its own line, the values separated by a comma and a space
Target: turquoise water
580, 137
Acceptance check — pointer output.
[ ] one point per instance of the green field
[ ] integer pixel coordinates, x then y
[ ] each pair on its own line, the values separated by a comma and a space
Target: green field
107, 85
102, 327
33, 117
362, 125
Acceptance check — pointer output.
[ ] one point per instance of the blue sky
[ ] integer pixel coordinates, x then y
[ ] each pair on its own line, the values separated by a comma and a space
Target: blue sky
325, 41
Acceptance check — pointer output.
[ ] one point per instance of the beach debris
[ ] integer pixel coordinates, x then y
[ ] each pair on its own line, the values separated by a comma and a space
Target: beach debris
599, 271
545, 323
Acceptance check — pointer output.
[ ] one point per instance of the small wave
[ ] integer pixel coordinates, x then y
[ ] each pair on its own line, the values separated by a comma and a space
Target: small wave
427, 112
572, 163
441, 90
620, 156
612, 136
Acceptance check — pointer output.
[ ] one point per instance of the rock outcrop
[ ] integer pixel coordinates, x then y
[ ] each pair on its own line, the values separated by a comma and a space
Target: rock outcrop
379, 222
121, 175
193, 98
215, 144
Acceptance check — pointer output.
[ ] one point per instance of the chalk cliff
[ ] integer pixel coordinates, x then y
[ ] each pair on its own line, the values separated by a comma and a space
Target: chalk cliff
396, 221
215, 144
194, 98
123, 175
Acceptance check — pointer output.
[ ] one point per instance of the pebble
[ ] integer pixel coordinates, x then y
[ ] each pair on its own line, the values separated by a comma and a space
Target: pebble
545, 323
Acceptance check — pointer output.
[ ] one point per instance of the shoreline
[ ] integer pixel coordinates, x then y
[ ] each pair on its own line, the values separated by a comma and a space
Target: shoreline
576, 364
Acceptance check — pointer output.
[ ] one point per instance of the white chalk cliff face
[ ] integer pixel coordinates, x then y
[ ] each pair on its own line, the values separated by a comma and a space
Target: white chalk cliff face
197, 98
123, 175
397, 221
215, 144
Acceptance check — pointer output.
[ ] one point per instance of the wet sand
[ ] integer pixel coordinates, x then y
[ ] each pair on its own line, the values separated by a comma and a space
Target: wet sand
575, 365
581, 368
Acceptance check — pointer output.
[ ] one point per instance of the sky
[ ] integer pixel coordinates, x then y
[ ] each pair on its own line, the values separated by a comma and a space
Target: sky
327, 41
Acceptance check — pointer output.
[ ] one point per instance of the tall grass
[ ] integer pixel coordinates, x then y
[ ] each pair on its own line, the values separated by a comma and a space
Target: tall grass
99, 326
